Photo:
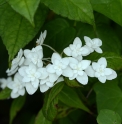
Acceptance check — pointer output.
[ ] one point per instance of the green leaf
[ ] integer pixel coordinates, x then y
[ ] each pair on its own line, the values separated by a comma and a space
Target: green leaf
109, 96
26, 8
108, 117
72, 83
69, 97
40, 119
59, 34
17, 104
79, 10
113, 60
110, 8
17, 32
51, 100
4, 94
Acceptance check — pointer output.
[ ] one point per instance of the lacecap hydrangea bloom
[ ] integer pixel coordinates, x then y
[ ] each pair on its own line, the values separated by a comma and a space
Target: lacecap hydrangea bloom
32, 72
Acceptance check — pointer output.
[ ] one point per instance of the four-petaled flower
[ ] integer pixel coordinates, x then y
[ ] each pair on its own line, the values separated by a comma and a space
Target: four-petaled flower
100, 71
76, 49
93, 44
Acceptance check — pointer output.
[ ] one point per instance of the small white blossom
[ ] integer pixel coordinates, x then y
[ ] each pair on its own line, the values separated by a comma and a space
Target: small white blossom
4, 82
49, 82
93, 44
100, 71
17, 86
31, 75
77, 70
58, 64
76, 49
18, 61
41, 38
35, 56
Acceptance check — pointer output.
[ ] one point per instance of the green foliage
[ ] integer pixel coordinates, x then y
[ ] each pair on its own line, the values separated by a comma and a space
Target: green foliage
109, 96
17, 32
73, 9
51, 100
25, 8
68, 102
4, 94
17, 104
70, 97
108, 117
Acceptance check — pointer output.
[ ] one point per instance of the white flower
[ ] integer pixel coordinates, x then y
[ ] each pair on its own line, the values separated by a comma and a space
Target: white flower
76, 49
41, 38
4, 82
17, 86
100, 71
77, 70
18, 61
47, 83
93, 44
31, 75
35, 56
58, 64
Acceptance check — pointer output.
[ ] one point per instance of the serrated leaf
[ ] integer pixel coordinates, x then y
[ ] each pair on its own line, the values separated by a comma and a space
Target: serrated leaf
79, 10
109, 96
59, 34
113, 60
17, 32
69, 97
49, 108
4, 94
40, 119
16, 106
26, 8
108, 117
110, 8
72, 83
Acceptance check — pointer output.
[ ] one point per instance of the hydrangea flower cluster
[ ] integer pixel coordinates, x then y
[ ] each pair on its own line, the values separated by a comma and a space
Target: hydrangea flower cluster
30, 71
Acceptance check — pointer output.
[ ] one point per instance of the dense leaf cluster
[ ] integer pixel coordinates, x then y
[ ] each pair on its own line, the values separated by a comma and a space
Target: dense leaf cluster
68, 102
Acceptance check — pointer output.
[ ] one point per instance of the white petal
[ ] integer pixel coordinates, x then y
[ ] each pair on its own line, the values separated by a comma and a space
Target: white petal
73, 60
30, 89
27, 61
67, 51
49, 84
112, 76
50, 68
53, 77
22, 71
82, 79
87, 41
90, 72
67, 72
43, 72
102, 61
79, 58
65, 61
85, 51
85, 64
22, 92
35, 83
40, 64
60, 79
55, 56
26, 52
21, 61
77, 41
98, 50
102, 79
95, 65
26, 79
14, 95
43, 88
108, 71
97, 41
